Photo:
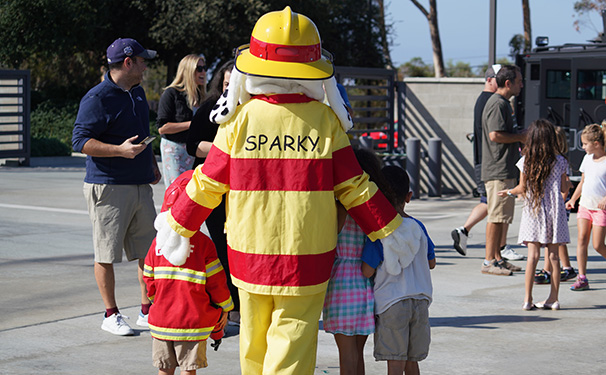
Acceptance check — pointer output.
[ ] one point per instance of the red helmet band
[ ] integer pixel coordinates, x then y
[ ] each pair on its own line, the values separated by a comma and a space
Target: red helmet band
285, 53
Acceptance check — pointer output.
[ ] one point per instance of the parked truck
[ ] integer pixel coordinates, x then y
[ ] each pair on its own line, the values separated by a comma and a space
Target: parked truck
567, 85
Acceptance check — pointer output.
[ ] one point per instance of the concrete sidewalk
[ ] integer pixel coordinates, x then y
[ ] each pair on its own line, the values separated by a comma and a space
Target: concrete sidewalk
51, 311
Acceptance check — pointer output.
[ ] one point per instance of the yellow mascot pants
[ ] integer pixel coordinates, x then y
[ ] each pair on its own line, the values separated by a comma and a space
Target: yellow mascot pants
279, 334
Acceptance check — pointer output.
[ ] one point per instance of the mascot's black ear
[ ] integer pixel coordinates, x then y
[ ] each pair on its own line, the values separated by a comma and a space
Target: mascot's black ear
228, 101
220, 108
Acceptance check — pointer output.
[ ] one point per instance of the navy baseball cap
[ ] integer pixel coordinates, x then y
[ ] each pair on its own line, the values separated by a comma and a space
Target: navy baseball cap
122, 48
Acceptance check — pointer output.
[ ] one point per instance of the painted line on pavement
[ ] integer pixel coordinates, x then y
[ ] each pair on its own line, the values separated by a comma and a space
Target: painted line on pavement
434, 217
39, 208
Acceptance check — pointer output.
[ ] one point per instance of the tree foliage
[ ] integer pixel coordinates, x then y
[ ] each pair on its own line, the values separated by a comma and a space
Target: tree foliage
584, 8
63, 42
482, 68
517, 44
459, 69
415, 67
211, 27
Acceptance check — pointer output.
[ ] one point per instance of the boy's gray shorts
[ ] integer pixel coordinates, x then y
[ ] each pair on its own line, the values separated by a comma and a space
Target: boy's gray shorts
402, 332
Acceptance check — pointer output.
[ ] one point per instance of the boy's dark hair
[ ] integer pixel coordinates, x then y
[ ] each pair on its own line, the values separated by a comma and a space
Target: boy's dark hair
371, 164
398, 181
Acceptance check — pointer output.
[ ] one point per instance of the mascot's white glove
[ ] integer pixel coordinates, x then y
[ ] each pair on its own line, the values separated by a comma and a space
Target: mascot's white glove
174, 247
401, 246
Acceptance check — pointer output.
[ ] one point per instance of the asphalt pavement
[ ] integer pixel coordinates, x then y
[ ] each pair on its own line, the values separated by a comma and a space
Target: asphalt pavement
51, 310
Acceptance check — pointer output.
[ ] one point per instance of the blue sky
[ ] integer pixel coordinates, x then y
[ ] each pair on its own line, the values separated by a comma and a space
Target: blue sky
464, 30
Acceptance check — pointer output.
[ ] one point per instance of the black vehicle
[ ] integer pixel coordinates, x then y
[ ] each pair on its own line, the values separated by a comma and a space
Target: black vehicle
567, 85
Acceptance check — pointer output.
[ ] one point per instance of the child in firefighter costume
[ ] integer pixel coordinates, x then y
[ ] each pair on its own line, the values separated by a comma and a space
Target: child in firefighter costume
189, 298
282, 157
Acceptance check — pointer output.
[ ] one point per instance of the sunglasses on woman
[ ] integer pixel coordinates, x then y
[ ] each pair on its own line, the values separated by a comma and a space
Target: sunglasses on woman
200, 68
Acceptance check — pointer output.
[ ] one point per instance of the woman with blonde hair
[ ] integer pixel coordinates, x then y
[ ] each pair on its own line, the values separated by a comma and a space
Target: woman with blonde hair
176, 109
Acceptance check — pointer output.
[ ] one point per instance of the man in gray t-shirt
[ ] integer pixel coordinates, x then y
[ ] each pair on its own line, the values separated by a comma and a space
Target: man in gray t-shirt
499, 156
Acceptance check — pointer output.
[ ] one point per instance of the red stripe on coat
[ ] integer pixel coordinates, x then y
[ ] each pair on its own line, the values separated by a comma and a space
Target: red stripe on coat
281, 175
216, 165
374, 214
345, 165
189, 214
281, 270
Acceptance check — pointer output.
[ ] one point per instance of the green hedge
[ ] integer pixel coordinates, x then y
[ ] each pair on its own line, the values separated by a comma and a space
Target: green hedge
51, 128
49, 147
52, 123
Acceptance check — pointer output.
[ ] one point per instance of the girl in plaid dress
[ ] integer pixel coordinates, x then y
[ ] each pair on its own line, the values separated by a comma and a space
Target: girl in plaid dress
349, 305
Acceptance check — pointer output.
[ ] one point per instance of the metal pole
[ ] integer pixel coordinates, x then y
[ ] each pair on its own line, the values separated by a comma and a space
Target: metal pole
434, 167
492, 36
401, 102
413, 164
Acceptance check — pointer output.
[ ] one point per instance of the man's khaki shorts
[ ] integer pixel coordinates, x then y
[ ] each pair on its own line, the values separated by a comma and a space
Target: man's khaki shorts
123, 218
500, 209
188, 355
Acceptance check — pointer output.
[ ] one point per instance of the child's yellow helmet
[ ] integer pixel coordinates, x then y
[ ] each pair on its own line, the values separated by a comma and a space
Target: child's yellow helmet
287, 45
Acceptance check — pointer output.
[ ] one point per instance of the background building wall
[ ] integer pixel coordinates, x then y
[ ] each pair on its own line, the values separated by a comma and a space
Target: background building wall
442, 108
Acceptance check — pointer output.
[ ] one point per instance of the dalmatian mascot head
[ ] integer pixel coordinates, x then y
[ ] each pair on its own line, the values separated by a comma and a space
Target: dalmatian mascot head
285, 56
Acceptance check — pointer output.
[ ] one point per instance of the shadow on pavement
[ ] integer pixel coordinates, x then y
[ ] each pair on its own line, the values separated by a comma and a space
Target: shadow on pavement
485, 321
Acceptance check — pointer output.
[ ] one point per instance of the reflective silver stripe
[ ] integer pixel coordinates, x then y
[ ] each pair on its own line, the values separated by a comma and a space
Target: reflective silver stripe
180, 336
214, 268
180, 274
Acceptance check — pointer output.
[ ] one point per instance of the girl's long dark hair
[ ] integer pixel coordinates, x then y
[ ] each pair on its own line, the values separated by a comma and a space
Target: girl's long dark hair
215, 87
539, 158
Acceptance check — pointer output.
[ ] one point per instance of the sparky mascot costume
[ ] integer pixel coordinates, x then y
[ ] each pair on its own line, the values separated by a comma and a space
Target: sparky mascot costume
282, 157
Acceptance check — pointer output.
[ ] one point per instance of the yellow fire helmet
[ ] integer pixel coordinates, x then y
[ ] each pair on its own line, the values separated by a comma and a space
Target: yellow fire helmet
285, 44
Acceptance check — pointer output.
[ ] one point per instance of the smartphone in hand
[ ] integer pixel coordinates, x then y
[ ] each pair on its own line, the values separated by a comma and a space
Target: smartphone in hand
147, 140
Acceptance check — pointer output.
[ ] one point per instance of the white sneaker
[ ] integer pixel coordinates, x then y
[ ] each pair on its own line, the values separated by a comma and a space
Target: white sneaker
115, 324
509, 254
460, 240
142, 320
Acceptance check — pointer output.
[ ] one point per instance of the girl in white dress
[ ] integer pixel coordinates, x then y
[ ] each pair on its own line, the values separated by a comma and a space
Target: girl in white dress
542, 181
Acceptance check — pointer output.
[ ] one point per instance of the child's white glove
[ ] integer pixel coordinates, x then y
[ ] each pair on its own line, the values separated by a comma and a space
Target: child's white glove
174, 247
401, 246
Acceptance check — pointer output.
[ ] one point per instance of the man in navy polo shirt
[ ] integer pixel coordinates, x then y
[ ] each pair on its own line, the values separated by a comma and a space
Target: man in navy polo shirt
112, 122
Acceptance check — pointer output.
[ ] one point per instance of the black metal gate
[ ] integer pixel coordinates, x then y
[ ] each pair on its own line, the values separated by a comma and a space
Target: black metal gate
371, 94
14, 115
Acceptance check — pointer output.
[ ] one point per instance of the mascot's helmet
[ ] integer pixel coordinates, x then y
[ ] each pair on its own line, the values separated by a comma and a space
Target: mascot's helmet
287, 45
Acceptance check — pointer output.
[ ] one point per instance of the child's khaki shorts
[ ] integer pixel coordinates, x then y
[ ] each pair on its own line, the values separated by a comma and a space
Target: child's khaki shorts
402, 332
188, 355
